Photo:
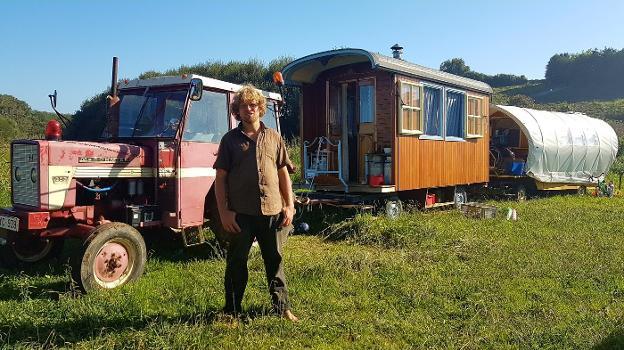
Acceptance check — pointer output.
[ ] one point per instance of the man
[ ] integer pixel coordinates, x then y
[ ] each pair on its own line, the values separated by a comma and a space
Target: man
254, 200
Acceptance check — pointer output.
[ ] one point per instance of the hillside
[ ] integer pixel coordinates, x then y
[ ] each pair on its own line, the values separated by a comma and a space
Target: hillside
611, 111
18, 120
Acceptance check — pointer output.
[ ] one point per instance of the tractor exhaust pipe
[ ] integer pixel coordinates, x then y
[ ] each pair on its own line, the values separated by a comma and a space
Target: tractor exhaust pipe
112, 110
114, 78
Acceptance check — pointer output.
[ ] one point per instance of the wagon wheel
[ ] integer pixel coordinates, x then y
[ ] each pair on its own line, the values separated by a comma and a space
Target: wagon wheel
581, 190
113, 255
521, 193
393, 208
460, 197
23, 249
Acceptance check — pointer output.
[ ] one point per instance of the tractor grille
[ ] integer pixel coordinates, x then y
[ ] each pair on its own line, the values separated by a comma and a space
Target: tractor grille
25, 174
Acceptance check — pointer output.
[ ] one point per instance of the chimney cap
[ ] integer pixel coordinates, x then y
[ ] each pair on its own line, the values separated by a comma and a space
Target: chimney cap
397, 50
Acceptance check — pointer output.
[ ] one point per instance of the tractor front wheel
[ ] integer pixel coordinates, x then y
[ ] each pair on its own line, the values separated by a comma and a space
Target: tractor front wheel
113, 255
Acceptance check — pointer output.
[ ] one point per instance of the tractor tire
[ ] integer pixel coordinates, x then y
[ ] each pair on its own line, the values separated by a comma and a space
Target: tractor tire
24, 250
112, 256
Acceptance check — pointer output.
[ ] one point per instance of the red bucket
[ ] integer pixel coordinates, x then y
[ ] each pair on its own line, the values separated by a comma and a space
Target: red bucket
430, 199
376, 180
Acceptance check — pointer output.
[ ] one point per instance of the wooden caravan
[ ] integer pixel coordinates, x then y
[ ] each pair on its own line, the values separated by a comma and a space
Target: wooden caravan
377, 124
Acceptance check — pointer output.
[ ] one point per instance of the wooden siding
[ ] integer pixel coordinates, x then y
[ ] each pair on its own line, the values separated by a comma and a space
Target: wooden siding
436, 163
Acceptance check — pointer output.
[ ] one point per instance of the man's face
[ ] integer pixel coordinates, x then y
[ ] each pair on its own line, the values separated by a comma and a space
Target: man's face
249, 112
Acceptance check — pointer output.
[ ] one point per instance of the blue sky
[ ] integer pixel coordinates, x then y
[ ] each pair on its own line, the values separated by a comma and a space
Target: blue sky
68, 45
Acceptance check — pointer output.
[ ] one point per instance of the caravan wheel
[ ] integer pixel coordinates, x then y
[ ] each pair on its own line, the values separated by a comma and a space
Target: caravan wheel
460, 197
521, 193
393, 208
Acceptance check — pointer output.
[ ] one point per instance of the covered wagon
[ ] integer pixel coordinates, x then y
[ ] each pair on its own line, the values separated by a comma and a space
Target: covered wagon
533, 150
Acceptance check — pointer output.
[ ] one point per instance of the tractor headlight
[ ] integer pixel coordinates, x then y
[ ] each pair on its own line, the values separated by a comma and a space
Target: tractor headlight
33, 175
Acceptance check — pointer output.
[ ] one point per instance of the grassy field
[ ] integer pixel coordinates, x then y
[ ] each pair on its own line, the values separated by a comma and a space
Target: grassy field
552, 279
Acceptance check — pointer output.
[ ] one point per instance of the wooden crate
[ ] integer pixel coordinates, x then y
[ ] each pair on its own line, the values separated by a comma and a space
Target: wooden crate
479, 210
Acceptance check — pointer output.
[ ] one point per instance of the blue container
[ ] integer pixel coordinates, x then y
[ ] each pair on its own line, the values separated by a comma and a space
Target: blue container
516, 168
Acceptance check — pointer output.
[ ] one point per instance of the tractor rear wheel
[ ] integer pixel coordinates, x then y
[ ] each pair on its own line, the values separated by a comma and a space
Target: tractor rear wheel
113, 255
24, 249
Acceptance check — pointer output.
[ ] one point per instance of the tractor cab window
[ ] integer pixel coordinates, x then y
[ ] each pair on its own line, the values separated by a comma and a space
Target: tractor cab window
145, 113
207, 118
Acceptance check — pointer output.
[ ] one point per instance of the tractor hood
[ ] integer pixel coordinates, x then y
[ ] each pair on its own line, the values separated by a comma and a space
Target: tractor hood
122, 159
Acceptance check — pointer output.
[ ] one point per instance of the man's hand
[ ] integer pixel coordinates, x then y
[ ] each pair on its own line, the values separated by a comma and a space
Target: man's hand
285, 186
228, 220
288, 213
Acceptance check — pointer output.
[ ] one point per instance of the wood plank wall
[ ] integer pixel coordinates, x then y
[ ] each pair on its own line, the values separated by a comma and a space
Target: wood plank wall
433, 163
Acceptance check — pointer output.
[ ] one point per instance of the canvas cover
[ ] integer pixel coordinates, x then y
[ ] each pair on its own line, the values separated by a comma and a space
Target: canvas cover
564, 147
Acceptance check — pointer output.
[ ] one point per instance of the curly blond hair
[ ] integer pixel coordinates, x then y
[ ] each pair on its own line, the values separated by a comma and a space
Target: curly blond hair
248, 94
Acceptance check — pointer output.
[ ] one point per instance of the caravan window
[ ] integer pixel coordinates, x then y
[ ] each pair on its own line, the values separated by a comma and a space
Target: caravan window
432, 111
367, 101
455, 114
410, 120
474, 117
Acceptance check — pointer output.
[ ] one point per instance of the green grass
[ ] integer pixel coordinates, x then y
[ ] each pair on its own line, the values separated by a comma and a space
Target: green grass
552, 279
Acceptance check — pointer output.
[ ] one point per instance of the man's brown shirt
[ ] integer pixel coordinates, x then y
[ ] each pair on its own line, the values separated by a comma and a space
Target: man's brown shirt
252, 180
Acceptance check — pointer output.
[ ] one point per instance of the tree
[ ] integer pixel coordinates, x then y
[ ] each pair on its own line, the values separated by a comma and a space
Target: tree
455, 66
89, 121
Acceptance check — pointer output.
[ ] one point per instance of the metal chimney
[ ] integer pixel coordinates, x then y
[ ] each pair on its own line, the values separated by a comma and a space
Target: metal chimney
397, 51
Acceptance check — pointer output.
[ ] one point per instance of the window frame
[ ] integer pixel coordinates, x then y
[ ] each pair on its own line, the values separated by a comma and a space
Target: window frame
479, 117
464, 117
367, 82
188, 112
442, 89
419, 108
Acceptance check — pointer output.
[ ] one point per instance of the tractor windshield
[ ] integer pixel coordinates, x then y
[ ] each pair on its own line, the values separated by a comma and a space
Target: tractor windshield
150, 113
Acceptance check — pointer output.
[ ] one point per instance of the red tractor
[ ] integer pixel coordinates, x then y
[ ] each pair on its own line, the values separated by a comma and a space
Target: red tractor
151, 169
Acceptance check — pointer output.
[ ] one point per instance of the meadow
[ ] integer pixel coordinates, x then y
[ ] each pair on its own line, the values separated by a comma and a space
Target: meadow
552, 279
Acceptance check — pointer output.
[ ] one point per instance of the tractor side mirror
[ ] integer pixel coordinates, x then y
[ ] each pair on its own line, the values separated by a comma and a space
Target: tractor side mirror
53, 99
197, 86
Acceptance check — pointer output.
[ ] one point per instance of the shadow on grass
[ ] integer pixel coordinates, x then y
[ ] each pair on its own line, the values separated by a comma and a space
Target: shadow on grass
50, 278
67, 332
615, 340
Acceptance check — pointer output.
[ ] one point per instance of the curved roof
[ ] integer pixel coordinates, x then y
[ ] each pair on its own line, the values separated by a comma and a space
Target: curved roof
307, 69
564, 147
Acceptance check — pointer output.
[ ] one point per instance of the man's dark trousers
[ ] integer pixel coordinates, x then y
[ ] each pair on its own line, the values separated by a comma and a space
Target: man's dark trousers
270, 237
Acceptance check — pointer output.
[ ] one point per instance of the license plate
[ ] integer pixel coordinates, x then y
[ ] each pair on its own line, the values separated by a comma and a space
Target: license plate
9, 223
